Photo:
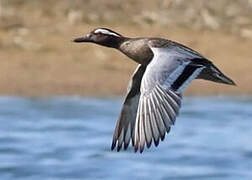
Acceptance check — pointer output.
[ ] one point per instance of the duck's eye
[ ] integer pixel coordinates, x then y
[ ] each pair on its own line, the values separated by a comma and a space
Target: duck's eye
98, 34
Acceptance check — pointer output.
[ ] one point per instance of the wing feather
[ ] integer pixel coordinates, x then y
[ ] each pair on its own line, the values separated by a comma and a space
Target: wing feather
154, 97
159, 120
159, 103
125, 127
127, 136
141, 129
148, 132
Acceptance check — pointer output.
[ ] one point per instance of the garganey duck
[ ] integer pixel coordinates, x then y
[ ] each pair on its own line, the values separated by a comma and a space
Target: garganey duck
154, 93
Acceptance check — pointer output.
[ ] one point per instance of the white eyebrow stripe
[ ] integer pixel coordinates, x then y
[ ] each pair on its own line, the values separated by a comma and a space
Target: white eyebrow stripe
104, 31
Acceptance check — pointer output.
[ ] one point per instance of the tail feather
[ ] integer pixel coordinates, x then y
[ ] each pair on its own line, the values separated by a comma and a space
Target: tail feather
223, 79
212, 73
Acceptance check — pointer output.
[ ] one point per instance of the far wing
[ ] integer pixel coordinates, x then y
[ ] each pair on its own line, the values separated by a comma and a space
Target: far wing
125, 126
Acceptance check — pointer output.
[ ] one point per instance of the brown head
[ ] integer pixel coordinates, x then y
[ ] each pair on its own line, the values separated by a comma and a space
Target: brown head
102, 36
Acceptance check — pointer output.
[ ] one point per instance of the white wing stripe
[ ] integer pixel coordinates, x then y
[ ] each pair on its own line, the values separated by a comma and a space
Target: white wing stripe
192, 77
142, 135
174, 75
148, 133
136, 131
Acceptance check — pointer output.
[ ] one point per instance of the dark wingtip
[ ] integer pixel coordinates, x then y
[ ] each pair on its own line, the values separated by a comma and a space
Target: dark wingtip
168, 130
135, 148
132, 141
156, 142
125, 146
162, 137
119, 146
136, 145
142, 147
148, 144
113, 145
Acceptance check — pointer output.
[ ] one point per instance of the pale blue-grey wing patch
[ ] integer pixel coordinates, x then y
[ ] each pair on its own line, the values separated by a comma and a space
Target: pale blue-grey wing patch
159, 104
170, 63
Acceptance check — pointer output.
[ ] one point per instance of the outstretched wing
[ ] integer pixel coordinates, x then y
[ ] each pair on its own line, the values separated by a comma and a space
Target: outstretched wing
125, 126
169, 72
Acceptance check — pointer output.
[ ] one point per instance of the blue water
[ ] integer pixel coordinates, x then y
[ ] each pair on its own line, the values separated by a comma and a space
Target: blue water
68, 138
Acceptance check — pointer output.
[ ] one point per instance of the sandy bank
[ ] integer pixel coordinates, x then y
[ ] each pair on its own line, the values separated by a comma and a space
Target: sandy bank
34, 62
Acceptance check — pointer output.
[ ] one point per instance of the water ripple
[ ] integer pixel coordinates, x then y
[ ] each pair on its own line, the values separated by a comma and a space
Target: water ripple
69, 138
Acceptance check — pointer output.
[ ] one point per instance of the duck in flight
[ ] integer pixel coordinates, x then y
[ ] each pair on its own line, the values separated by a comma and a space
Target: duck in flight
154, 92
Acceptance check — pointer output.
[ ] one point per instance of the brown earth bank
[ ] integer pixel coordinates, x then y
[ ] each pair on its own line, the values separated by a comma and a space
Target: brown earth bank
37, 57
44, 62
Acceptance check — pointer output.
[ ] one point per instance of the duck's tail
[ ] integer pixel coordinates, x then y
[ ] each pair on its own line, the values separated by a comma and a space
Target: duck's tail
212, 73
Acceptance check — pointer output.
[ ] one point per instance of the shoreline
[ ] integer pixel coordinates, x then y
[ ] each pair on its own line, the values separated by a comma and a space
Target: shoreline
48, 64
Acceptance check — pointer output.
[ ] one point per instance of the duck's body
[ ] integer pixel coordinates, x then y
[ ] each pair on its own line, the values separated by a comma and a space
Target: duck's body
154, 94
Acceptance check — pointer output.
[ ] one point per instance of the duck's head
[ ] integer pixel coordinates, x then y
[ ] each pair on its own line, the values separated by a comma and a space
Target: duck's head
102, 36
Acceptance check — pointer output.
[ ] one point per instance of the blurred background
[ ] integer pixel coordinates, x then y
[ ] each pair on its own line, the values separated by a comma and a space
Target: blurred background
38, 57
59, 101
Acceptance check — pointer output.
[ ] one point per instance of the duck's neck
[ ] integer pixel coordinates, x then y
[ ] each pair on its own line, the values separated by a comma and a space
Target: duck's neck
114, 42
136, 49
119, 41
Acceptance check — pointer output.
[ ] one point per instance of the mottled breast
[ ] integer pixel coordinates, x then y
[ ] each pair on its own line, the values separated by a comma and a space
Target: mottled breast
138, 50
